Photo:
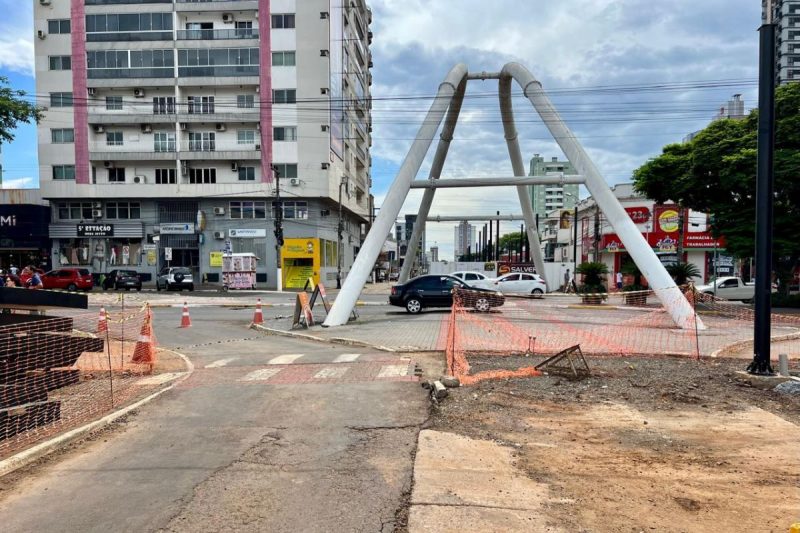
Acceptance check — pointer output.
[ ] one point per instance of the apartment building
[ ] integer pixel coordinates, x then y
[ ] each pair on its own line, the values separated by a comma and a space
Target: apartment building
463, 235
546, 198
165, 118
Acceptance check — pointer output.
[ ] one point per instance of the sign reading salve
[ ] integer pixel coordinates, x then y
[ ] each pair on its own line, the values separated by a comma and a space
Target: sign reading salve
215, 259
95, 230
177, 229
249, 233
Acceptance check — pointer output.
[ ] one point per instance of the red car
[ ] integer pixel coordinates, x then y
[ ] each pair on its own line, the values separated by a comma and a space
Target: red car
71, 279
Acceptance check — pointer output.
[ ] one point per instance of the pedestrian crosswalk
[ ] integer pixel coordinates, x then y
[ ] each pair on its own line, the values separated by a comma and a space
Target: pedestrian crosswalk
287, 359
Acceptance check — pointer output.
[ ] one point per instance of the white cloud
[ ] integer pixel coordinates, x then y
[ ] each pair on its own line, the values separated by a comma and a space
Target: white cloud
16, 37
19, 183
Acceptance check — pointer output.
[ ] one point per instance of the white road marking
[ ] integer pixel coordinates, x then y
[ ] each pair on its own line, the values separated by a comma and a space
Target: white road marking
160, 378
331, 372
286, 359
393, 371
261, 375
221, 362
347, 358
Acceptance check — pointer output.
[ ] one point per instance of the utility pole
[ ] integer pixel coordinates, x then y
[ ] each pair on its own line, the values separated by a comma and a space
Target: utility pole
278, 227
497, 246
521, 256
596, 258
679, 244
575, 240
764, 195
340, 231
491, 248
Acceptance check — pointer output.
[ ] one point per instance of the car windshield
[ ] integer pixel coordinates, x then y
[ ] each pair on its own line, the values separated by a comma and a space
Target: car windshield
126, 273
183, 271
83, 272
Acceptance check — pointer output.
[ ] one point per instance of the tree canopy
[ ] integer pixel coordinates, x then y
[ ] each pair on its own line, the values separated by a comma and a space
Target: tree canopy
716, 173
13, 110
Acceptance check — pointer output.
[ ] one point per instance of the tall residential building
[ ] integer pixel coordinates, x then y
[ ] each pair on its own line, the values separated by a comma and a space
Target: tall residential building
787, 53
734, 108
546, 198
164, 118
464, 236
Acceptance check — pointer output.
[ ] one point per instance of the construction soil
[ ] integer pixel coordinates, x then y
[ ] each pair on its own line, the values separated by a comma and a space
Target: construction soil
644, 444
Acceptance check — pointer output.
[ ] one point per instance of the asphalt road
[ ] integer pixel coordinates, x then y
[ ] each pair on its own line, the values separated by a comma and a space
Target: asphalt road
318, 442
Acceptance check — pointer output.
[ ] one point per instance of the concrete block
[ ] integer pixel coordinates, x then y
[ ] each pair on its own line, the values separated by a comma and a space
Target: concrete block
439, 390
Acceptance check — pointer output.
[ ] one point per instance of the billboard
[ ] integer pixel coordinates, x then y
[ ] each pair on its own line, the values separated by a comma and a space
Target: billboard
337, 71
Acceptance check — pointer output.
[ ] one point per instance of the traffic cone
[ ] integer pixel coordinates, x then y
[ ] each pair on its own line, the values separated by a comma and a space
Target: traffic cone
258, 316
144, 352
186, 321
102, 321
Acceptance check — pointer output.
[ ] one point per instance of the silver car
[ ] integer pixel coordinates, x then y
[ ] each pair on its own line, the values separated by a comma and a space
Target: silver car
171, 278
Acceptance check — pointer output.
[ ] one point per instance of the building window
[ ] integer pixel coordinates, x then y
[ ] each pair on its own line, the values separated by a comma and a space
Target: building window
245, 101
165, 176
247, 173
244, 29
246, 137
114, 138
116, 175
202, 141
59, 26
113, 103
63, 172
123, 210
218, 62
284, 59
164, 141
283, 21
284, 133
60, 62
284, 96
163, 105
295, 210
286, 170
201, 105
248, 209
60, 99
202, 175
62, 135
75, 210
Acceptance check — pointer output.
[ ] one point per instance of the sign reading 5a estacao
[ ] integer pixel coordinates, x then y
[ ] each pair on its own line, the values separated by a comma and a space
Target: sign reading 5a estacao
95, 230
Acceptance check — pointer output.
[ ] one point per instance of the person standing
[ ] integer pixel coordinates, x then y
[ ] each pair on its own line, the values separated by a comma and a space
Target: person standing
619, 280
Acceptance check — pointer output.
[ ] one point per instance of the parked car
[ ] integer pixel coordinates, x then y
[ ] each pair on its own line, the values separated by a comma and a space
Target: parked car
71, 279
394, 276
730, 288
517, 283
175, 278
122, 279
437, 291
471, 277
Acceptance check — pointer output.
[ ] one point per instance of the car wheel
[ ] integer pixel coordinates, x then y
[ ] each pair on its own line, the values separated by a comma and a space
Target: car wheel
72, 287
537, 293
138, 289
413, 305
191, 288
482, 304
158, 287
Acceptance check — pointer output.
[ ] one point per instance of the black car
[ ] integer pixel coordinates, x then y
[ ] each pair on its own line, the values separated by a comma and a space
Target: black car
122, 279
437, 291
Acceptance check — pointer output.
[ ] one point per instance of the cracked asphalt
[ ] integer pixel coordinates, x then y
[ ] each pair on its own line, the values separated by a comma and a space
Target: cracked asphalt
224, 452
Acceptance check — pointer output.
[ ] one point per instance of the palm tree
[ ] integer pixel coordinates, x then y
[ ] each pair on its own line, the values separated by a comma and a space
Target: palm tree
683, 272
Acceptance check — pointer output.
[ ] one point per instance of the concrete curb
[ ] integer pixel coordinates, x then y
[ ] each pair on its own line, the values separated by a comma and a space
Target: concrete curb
738, 344
249, 304
335, 340
28, 456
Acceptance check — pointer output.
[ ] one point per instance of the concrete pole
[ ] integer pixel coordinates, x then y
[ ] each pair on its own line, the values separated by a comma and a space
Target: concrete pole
346, 300
523, 191
436, 171
660, 281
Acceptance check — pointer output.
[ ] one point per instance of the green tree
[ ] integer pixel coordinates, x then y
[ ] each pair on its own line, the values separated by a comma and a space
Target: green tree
13, 110
511, 241
716, 173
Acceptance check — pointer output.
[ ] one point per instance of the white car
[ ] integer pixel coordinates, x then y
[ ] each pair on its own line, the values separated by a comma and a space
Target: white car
471, 277
515, 283
730, 288
171, 278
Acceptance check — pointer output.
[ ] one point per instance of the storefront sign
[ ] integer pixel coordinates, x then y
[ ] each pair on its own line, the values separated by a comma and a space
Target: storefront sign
177, 229
639, 215
523, 268
95, 230
167, 254
151, 252
668, 220
215, 259
249, 233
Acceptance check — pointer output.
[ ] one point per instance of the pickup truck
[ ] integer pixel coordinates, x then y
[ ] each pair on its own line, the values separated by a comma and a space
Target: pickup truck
730, 288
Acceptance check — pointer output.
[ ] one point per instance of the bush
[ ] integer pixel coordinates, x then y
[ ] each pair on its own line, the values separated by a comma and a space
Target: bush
683, 272
592, 275
784, 300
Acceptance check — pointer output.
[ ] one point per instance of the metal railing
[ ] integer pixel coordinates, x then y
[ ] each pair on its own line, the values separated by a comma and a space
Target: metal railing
209, 35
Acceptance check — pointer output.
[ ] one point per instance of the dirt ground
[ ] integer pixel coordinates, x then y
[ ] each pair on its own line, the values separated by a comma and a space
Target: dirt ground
643, 444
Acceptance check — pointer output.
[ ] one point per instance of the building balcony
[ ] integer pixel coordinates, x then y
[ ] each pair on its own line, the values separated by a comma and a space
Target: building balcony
248, 114
132, 118
205, 150
103, 152
233, 34
129, 36
216, 5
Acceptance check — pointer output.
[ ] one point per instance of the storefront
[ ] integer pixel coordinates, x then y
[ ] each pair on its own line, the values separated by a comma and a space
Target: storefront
24, 239
99, 246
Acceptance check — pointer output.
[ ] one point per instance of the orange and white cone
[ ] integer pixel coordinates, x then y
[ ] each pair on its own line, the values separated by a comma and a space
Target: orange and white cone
144, 352
258, 316
102, 321
186, 321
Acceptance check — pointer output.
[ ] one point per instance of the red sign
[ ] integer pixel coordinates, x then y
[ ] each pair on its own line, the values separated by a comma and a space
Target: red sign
639, 215
665, 242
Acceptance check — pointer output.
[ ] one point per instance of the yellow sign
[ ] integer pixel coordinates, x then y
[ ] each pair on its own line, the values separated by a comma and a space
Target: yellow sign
215, 259
296, 248
152, 257
668, 221
301, 260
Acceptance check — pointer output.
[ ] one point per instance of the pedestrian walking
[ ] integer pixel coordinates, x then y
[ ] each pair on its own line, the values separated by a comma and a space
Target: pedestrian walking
619, 281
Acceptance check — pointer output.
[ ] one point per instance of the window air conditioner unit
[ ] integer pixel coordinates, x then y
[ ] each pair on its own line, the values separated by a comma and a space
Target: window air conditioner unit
258, 147
219, 210
325, 166
227, 17
294, 182
138, 93
323, 15
97, 213
323, 53
91, 91
96, 205
41, 34
99, 128
234, 167
44, 2
219, 235
324, 127
140, 179
258, 89
258, 126
147, 128
184, 126
220, 126
108, 164
323, 90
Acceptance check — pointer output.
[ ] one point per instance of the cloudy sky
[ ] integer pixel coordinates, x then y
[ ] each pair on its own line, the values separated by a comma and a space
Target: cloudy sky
628, 76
